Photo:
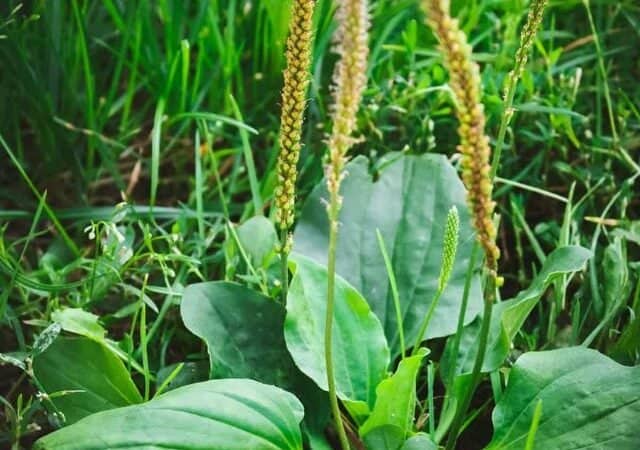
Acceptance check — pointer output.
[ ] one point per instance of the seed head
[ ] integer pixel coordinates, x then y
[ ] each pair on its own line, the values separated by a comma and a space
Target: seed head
527, 36
474, 144
349, 81
296, 82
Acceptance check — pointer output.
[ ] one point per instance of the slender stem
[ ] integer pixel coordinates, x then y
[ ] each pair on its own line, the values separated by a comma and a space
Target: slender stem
507, 114
443, 426
394, 291
463, 311
284, 259
490, 294
144, 341
334, 209
432, 410
425, 322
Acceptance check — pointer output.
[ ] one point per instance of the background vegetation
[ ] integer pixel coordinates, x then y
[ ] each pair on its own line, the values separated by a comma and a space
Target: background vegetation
172, 107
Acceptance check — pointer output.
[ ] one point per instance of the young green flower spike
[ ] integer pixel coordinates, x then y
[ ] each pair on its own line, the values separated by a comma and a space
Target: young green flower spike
474, 144
449, 250
296, 81
450, 247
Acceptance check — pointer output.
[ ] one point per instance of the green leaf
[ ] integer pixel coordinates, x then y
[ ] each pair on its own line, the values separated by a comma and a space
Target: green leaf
242, 329
588, 402
244, 333
94, 376
627, 348
419, 441
408, 203
509, 316
258, 239
214, 415
317, 440
57, 255
616, 274
385, 437
396, 399
360, 350
533, 107
78, 321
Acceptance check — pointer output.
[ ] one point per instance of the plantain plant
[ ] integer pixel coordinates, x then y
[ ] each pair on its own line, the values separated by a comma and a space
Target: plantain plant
383, 256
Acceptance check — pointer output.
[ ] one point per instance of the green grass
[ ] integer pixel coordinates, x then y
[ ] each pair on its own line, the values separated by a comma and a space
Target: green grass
173, 106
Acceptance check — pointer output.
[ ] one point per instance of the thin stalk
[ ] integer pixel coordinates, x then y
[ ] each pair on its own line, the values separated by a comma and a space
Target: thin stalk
528, 35
432, 410
394, 291
284, 260
426, 321
444, 426
174, 373
504, 124
144, 341
458, 420
334, 209
463, 310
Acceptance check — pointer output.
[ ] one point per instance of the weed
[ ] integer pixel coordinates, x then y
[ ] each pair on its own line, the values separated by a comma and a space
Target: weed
276, 224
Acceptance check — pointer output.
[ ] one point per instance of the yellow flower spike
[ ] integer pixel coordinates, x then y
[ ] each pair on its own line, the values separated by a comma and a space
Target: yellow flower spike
474, 144
296, 82
349, 81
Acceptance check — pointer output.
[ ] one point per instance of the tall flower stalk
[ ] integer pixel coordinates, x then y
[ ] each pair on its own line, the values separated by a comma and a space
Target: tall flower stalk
474, 148
294, 91
349, 81
527, 37
477, 172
